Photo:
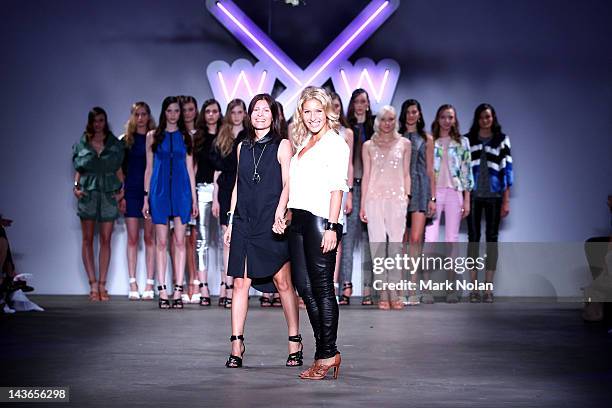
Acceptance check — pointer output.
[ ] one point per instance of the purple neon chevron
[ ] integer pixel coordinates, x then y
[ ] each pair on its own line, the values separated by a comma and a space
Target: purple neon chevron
249, 43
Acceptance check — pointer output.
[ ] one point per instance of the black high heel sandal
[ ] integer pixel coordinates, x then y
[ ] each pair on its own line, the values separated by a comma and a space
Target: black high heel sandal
345, 300
221, 302
204, 301
163, 303
228, 300
235, 361
178, 303
264, 301
296, 358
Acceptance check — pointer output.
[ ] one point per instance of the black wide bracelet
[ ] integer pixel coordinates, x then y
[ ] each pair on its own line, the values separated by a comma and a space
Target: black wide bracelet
332, 226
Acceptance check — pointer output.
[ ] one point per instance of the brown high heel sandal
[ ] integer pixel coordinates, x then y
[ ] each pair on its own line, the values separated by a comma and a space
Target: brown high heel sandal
397, 304
94, 295
319, 371
103, 293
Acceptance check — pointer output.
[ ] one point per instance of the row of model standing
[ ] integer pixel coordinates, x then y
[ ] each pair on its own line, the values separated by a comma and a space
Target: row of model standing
444, 172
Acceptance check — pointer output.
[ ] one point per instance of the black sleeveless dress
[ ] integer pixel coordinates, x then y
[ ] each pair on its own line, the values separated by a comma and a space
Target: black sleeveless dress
253, 240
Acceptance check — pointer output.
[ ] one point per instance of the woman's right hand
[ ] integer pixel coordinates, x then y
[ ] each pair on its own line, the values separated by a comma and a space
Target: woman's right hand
216, 208
227, 237
78, 193
362, 215
145, 209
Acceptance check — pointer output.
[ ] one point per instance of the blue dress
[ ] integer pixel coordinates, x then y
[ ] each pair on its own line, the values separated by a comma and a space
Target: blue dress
134, 165
170, 191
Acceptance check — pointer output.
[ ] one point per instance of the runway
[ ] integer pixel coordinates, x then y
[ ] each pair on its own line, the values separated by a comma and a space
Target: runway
122, 353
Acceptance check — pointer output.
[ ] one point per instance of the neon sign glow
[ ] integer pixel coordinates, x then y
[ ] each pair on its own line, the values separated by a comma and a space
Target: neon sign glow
275, 64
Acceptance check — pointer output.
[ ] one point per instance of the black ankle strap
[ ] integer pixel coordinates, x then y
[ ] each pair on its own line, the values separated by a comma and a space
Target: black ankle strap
347, 285
202, 284
229, 286
161, 287
178, 287
238, 337
296, 338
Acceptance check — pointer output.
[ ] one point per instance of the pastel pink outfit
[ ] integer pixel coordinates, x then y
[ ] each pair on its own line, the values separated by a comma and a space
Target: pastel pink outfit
386, 204
448, 201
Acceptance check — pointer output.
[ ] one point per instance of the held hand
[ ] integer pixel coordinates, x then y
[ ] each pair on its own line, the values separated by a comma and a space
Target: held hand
348, 208
279, 221
329, 241
505, 209
431, 209
227, 237
216, 208
145, 209
362, 215
194, 209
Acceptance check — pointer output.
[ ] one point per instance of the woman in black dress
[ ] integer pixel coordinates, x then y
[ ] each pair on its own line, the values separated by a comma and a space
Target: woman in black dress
258, 256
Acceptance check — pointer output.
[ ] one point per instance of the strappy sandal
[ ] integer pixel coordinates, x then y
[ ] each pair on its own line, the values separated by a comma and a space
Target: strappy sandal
149, 294
235, 361
276, 302
163, 303
344, 299
264, 301
367, 301
296, 359
103, 293
204, 300
133, 294
228, 300
94, 295
178, 303
222, 299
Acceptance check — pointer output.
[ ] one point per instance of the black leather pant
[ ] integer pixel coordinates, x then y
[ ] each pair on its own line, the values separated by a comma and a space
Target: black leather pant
312, 272
492, 210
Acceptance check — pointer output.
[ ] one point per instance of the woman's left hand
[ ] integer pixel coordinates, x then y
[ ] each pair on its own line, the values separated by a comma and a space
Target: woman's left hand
329, 241
194, 209
279, 221
505, 209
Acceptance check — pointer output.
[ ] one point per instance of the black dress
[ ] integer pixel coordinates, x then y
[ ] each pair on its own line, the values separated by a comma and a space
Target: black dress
227, 166
253, 240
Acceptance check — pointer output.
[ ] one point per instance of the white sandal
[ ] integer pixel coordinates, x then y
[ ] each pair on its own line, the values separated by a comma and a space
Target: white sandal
149, 294
133, 294
195, 298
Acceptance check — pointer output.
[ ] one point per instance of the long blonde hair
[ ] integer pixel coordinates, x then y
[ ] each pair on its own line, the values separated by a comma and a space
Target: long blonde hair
130, 126
225, 139
299, 131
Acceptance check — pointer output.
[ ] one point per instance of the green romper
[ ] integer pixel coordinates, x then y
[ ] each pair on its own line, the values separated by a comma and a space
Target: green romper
99, 179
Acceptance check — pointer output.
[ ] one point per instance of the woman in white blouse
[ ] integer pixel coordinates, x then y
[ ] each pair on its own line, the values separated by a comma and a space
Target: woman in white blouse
317, 179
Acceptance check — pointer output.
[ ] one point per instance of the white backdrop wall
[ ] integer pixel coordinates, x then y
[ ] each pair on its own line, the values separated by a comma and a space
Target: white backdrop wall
546, 74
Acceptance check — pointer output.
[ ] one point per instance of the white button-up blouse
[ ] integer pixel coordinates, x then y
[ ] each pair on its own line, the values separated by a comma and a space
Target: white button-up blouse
321, 170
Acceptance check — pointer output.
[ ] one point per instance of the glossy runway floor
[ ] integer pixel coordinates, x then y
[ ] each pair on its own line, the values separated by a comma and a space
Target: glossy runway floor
130, 354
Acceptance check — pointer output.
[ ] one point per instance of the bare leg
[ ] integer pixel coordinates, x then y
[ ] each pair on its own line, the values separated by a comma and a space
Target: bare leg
161, 256
133, 229
149, 241
240, 306
88, 226
283, 283
179, 254
106, 232
190, 259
